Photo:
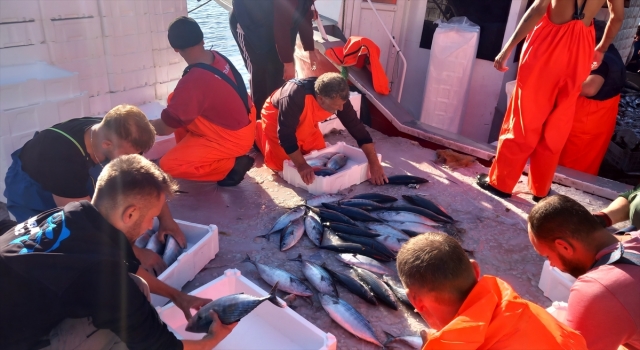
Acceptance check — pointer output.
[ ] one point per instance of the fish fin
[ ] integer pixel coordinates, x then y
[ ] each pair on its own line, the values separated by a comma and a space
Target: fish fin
267, 236
390, 338
247, 259
308, 300
298, 258
273, 298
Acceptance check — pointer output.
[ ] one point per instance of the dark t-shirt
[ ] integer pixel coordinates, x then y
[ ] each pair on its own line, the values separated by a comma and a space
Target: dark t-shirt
72, 263
56, 163
613, 72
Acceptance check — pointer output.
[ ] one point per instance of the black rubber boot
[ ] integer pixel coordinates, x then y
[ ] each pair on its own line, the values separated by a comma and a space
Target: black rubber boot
236, 175
538, 199
483, 182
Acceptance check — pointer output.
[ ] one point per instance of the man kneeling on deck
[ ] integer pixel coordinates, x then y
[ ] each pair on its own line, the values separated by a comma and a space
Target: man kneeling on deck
61, 164
289, 125
604, 302
68, 274
466, 311
209, 112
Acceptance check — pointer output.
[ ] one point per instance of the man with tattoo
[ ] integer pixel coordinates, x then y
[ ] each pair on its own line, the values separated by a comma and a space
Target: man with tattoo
557, 56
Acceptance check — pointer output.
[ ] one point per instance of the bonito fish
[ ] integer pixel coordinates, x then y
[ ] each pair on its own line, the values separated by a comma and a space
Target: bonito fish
171, 251
285, 219
319, 278
313, 228
349, 318
365, 263
325, 198
286, 281
403, 216
292, 234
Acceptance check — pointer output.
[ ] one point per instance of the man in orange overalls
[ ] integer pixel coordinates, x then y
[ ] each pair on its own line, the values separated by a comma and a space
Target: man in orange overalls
466, 311
289, 125
209, 112
556, 59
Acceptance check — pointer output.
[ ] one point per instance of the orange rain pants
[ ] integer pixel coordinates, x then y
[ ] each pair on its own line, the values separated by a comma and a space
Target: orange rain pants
353, 54
207, 152
308, 133
556, 60
495, 317
588, 142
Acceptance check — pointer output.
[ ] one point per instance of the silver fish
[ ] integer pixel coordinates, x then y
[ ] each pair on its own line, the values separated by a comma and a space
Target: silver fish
323, 171
405, 216
285, 219
292, 234
365, 263
286, 281
155, 245
412, 226
172, 251
392, 243
398, 289
327, 155
325, 198
337, 162
412, 341
320, 162
142, 241
387, 230
319, 278
230, 309
313, 228
349, 318
379, 288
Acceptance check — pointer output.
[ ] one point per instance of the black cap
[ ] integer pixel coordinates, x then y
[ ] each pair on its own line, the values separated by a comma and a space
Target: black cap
184, 33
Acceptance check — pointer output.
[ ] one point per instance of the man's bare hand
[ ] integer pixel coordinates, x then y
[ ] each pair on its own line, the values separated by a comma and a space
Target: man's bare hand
377, 174
171, 228
597, 59
425, 337
313, 60
150, 261
306, 173
500, 63
289, 71
186, 302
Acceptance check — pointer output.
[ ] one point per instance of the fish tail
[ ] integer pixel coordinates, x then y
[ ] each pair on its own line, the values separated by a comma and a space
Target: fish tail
390, 338
247, 259
273, 298
298, 258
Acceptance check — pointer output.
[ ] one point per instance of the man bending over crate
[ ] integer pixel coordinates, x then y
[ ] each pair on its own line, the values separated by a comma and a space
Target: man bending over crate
289, 125
70, 279
209, 112
60, 165
604, 302
466, 311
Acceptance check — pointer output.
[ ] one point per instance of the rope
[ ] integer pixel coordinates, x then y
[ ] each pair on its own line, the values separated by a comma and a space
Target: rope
199, 6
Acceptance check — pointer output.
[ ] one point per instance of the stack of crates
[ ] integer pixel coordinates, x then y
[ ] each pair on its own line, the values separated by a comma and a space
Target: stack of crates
168, 63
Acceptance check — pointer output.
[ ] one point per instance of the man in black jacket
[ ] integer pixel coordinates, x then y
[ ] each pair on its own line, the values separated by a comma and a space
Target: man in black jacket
67, 274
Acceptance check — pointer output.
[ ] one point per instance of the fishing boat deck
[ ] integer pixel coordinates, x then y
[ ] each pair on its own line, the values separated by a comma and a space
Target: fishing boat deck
494, 229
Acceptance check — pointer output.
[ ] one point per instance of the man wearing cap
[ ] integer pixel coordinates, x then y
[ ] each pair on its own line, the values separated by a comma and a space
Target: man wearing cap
209, 112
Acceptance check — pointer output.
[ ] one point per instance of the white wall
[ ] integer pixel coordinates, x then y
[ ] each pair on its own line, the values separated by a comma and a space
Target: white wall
330, 8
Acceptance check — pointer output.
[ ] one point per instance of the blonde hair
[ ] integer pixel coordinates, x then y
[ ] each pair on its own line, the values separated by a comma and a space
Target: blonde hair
128, 123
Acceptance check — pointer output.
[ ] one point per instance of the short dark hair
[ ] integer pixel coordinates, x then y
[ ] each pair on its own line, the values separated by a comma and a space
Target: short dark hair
435, 262
128, 123
184, 32
131, 178
561, 217
332, 85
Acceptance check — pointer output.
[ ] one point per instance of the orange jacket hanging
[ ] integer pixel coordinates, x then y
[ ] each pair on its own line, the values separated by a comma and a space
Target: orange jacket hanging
354, 53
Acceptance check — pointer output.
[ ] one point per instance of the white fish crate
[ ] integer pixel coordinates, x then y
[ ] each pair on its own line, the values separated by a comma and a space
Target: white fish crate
269, 326
95, 86
166, 57
100, 105
72, 29
123, 8
333, 122
202, 247
354, 172
130, 62
137, 96
163, 144
18, 10
68, 9
76, 50
126, 25
21, 34
164, 89
171, 72
554, 283
131, 80
122, 45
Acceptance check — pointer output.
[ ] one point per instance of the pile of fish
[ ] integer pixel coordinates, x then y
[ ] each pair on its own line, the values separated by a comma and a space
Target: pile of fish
366, 231
327, 164
629, 116
169, 251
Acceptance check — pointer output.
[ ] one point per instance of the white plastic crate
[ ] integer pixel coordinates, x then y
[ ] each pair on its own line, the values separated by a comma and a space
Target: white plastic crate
166, 57
129, 62
269, 326
164, 89
202, 247
123, 26
123, 8
158, 7
354, 172
160, 41
21, 34
168, 73
162, 145
554, 283
160, 23
116, 46
131, 80
100, 105
86, 68
18, 10
72, 29
95, 86
64, 9
333, 122
24, 54
76, 50
137, 96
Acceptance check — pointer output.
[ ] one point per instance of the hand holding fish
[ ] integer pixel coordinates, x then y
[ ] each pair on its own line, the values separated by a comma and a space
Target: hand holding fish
377, 174
218, 330
186, 302
170, 227
150, 261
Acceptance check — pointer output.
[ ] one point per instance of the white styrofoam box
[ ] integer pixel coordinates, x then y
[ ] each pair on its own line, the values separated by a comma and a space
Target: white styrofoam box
333, 122
509, 88
86, 68
171, 72
202, 247
153, 110
137, 96
76, 50
123, 8
24, 54
64, 9
122, 45
354, 172
554, 283
18, 10
166, 57
271, 327
20, 34
72, 29
123, 26
99, 105
95, 86
28, 84
558, 310
162, 145
130, 62
160, 23
131, 80
164, 89
160, 41
158, 7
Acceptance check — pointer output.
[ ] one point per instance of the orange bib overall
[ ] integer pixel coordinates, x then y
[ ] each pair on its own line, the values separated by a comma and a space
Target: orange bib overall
556, 60
205, 151
308, 133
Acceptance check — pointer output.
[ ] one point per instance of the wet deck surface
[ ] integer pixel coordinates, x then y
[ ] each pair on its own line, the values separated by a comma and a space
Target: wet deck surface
494, 229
